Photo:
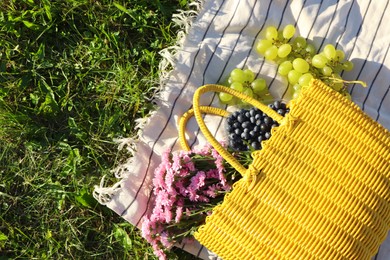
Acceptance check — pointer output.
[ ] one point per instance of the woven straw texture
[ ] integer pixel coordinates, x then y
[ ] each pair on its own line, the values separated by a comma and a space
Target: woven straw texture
318, 189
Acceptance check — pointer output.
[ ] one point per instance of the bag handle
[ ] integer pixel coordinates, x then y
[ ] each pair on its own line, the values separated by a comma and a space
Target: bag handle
197, 111
186, 116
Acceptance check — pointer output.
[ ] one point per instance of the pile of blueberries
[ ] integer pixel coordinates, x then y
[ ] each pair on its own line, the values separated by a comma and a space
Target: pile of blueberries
247, 128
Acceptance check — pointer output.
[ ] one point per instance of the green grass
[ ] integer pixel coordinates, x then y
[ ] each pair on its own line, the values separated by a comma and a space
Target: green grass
74, 74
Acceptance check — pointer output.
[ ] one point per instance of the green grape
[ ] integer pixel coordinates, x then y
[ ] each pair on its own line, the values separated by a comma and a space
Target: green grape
248, 91
230, 80
225, 98
305, 79
300, 42
347, 95
288, 31
262, 45
326, 71
237, 86
297, 87
348, 65
271, 53
293, 76
237, 75
319, 61
340, 55
310, 49
249, 75
300, 65
285, 67
337, 86
271, 33
329, 51
284, 50
259, 86
296, 94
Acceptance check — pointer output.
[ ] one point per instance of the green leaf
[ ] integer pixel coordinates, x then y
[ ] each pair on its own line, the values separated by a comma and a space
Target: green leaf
86, 199
122, 237
34, 98
50, 105
121, 7
40, 54
30, 25
3, 237
46, 6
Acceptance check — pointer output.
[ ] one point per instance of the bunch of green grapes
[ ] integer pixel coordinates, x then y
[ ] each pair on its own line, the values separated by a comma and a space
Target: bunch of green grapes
245, 81
299, 61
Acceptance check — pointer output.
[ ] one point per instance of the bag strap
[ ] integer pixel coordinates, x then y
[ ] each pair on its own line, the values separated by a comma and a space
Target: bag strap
197, 111
186, 116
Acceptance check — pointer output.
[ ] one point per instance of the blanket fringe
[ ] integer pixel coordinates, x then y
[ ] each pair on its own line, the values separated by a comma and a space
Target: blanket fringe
183, 19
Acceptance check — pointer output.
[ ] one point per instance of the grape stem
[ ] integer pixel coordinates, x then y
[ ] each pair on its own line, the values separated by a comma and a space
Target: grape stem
338, 80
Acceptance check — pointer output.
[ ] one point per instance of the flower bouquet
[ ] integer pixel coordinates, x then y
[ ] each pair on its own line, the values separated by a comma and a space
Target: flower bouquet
187, 185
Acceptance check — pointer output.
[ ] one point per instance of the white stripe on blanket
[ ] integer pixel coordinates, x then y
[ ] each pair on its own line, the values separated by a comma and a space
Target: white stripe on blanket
221, 38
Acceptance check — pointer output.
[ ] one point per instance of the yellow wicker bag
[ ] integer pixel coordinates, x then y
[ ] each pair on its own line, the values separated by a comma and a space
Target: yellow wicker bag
318, 189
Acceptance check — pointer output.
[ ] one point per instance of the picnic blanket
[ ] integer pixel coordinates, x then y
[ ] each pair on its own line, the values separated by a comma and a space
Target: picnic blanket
219, 36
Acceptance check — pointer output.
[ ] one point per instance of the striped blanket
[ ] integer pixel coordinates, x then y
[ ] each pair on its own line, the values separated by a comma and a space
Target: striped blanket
219, 36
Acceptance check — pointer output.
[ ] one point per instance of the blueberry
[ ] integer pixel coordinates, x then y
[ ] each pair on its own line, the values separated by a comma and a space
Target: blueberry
252, 119
271, 106
267, 120
246, 124
277, 104
229, 128
267, 135
241, 118
237, 131
281, 111
236, 125
245, 135
253, 111
264, 128
232, 136
260, 138
256, 145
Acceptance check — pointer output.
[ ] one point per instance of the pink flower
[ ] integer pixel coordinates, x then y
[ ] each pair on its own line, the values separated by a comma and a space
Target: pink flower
212, 174
198, 180
145, 229
165, 240
179, 214
168, 215
179, 185
211, 191
192, 194
169, 181
159, 176
160, 253
176, 165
